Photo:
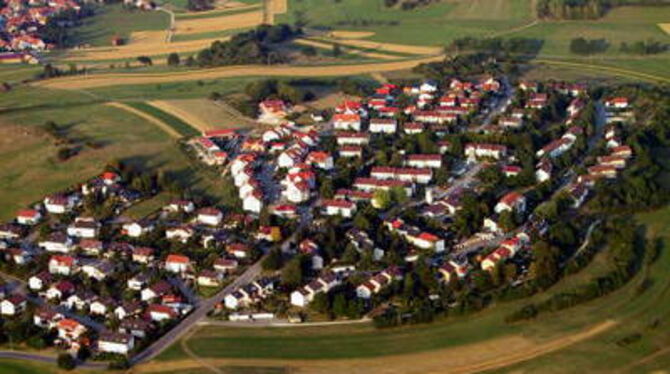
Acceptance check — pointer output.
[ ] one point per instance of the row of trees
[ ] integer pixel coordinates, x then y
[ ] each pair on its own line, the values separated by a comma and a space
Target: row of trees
582, 46
529, 46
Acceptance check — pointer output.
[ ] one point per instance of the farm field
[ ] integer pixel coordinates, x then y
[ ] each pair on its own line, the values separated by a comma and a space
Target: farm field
203, 114
588, 328
113, 20
29, 168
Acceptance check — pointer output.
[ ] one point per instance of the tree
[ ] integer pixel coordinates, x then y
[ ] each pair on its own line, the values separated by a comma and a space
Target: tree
273, 261
173, 59
337, 50
66, 362
381, 199
145, 60
292, 274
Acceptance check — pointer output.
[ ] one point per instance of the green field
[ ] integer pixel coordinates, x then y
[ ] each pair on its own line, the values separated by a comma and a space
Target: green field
113, 20
633, 310
29, 169
180, 126
436, 24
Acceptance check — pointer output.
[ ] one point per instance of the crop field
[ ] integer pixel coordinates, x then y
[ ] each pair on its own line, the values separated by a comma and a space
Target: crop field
113, 20
203, 114
176, 123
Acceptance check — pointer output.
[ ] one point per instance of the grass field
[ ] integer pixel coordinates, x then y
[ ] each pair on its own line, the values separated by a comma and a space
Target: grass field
203, 114
28, 166
177, 124
114, 20
630, 309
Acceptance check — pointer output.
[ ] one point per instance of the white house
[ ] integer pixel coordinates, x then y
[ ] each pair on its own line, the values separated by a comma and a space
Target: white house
84, 227
210, 216
13, 305
177, 263
62, 265
117, 343
28, 217
424, 161
383, 126
59, 204
57, 242
137, 229
339, 207
345, 121
513, 201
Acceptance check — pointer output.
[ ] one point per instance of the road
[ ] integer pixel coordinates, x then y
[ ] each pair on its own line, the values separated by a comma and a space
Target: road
199, 313
499, 106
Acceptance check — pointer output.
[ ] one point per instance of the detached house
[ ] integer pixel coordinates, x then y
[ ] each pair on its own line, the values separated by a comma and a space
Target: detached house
28, 217
57, 242
210, 216
84, 227
513, 201
177, 263
305, 295
335, 207
117, 343
138, 229
59, 204
13, 305
62, 265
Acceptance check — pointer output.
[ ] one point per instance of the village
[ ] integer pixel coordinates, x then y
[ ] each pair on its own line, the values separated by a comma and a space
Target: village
331, 219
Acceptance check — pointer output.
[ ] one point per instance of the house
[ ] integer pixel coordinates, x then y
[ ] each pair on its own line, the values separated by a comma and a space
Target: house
269, 233
101, 307
98, 270
210, 278
177, 263
543, 170
618, 162
60, 290
433, 161
210, 216
351, 151
116, 343
347, 122
70, 330
537, 101
352, 138
57, 242
451, 269
273, 111
46, 318
128, 309
136, 327
179, 233
426, 240
383, 126
84, 227
79, 300
157, 290
556, 148
59, 204
616, 103
510, 122
303, 296
10, 231
622, 151
62, 265
513, 201
13, 305
493, 259
322, 160
412, 128
19, 256
225, 265
338, 207
138, 228
138, 281
91, 247
377, 282
38, 281
478, 150
184, 206
238, 250
605, 171
28, 217
511, 171
253, 202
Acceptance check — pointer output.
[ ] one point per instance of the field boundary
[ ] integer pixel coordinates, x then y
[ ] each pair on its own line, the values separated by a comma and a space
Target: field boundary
177, 124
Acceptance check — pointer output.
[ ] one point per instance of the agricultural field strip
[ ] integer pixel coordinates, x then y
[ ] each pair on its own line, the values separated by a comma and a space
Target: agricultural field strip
162, 125
176, 123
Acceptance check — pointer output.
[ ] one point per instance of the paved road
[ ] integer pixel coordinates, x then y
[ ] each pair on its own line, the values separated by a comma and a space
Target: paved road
200, 312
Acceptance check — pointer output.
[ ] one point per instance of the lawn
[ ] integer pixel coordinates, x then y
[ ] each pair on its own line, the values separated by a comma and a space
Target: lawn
113, 20
180, 126
635, 311
148, 206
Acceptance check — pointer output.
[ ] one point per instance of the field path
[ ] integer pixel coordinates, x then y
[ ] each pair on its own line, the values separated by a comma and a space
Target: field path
357, 52
195, 122
120, 79
471, 358
163, 126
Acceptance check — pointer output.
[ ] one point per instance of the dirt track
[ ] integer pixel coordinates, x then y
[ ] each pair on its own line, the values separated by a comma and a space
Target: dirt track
356, 52
390, 47
492, 354
165, 127
104, 80
342, 34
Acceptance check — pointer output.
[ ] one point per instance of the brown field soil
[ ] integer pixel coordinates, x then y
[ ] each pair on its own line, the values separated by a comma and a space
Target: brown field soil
343, 34
163, 126
356, 52
202, 114
279, 6
202, 25
492, 354
117, 79
399, 48
665, 27
151, 47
